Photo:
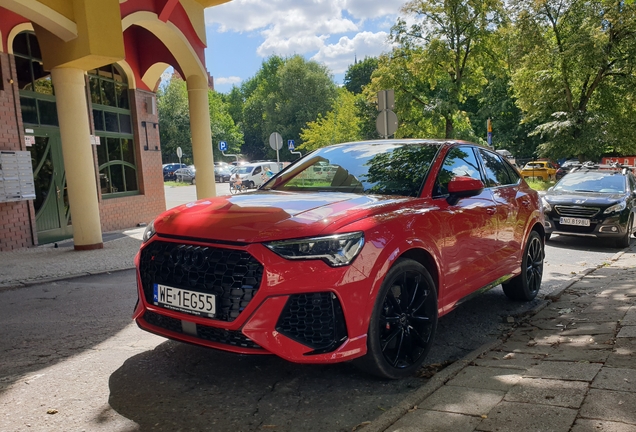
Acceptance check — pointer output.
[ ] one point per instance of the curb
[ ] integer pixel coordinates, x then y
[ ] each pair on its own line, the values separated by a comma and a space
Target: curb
30, 283
438, 380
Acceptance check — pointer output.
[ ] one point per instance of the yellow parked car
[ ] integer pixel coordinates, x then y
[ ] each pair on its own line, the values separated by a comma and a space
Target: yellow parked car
540, 170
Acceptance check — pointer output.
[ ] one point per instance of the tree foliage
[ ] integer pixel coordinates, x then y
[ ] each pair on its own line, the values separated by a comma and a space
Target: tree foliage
448, 45
284, 96
359, 74
174, 122
339, 125
573, 63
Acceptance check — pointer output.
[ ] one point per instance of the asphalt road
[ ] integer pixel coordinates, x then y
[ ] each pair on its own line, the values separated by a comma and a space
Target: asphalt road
70, 347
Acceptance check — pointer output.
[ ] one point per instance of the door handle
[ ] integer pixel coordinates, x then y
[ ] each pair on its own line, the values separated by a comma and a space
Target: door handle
57, 191
491, 210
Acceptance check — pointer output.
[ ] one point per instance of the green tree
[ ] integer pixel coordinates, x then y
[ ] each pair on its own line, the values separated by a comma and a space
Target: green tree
448, 46
359, 74
174, 122
284, 96
339, 125
574, 74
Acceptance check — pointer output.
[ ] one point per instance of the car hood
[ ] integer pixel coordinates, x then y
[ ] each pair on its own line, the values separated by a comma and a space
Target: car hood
270, 215
583, 198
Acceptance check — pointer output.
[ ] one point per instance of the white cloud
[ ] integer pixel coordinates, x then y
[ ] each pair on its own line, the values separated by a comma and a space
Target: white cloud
303, 26
227, 80
340, 55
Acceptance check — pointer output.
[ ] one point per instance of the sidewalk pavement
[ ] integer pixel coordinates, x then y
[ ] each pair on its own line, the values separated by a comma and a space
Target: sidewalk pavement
571, 367
60, 261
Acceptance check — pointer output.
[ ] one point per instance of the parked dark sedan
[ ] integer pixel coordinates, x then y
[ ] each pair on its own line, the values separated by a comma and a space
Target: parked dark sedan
169, 170
187, 175
592, 201
222, 174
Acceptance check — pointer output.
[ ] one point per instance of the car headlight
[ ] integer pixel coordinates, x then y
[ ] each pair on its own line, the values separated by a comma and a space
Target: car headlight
546, 205
616, 208
148, 232
336, 250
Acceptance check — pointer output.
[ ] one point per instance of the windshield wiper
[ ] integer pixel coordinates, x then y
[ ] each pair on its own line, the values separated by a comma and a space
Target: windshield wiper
583, 190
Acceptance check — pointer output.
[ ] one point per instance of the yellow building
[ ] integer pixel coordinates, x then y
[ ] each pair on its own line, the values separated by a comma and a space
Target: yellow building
77, 91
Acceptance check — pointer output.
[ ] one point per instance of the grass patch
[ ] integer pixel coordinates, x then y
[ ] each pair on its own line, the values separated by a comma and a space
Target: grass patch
539, 185
175, 183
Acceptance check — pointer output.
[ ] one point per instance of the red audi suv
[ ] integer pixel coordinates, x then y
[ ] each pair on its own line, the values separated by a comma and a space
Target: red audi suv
357, 263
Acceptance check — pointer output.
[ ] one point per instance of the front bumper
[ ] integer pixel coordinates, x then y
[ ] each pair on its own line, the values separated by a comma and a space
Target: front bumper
613, 226
302, 311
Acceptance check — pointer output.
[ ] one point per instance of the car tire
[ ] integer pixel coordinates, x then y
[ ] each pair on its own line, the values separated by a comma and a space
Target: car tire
526, 286
194, 181
250, 185
623, 242
403, 322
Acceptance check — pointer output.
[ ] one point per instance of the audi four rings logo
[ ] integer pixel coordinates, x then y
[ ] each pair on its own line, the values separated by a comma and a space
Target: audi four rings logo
188, 257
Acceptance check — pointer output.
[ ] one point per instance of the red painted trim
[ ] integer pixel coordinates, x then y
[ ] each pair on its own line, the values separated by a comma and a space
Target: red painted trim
8, 20
167, 10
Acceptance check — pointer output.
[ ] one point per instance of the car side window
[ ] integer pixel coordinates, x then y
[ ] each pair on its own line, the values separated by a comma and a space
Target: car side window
257, 170
460, 161
495, 169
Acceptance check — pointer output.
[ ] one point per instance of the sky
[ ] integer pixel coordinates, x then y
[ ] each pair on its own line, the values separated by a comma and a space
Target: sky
241, 34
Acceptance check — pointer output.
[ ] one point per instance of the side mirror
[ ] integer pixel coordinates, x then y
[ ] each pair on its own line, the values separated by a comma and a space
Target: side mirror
551, 188
462, 186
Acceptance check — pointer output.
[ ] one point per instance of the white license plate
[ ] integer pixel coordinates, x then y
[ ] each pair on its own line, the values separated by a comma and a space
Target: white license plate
192, 302
574, 221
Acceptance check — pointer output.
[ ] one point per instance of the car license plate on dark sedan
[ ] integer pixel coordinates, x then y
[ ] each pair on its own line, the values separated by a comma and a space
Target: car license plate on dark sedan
574, 221
181, 300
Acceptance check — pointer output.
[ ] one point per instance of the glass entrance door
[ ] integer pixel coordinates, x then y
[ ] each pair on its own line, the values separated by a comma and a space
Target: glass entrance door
52, 210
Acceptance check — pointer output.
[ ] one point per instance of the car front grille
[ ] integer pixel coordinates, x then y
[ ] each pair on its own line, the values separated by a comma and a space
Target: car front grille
577, 211
315, 320
226, 337
233, 276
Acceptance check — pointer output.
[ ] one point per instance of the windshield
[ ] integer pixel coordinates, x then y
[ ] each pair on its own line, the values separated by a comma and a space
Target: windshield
245, 169
385, 168
596, 181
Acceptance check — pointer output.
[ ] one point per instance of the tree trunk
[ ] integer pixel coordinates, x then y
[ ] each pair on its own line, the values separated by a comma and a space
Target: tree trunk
449, 127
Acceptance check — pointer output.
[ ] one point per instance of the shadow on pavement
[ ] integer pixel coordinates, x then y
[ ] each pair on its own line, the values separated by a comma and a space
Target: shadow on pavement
184, 387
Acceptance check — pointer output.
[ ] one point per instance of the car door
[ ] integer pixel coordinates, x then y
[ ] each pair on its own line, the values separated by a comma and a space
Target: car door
512, 204
470, 231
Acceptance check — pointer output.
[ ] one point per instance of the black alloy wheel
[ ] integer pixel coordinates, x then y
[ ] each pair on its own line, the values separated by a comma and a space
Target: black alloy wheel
623, 241
525, 287
403, 323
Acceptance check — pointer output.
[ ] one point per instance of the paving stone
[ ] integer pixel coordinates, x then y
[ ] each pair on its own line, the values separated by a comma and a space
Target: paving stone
579, 354
609, 405
565, 311
582, 425
624, 354
434, 421
486, 378
568, 327
627, 332
568, 394
616, 379
630, 317
521, 417
509, 359
463, 400
568, 371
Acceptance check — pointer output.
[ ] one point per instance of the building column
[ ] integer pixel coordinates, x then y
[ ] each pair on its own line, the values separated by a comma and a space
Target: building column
201, 135
72, 113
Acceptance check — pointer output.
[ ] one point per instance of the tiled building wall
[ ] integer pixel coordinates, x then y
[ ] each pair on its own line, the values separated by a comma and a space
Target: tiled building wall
127, 212
17, 220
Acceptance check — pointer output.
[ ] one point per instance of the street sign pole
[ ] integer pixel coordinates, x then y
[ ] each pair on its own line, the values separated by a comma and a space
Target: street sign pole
276, 143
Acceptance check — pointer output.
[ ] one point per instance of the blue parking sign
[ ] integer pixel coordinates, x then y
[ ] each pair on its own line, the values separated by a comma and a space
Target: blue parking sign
222, 145
290, 145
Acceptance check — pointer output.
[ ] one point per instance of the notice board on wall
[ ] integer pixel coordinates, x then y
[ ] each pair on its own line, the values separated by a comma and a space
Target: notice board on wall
16, 176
